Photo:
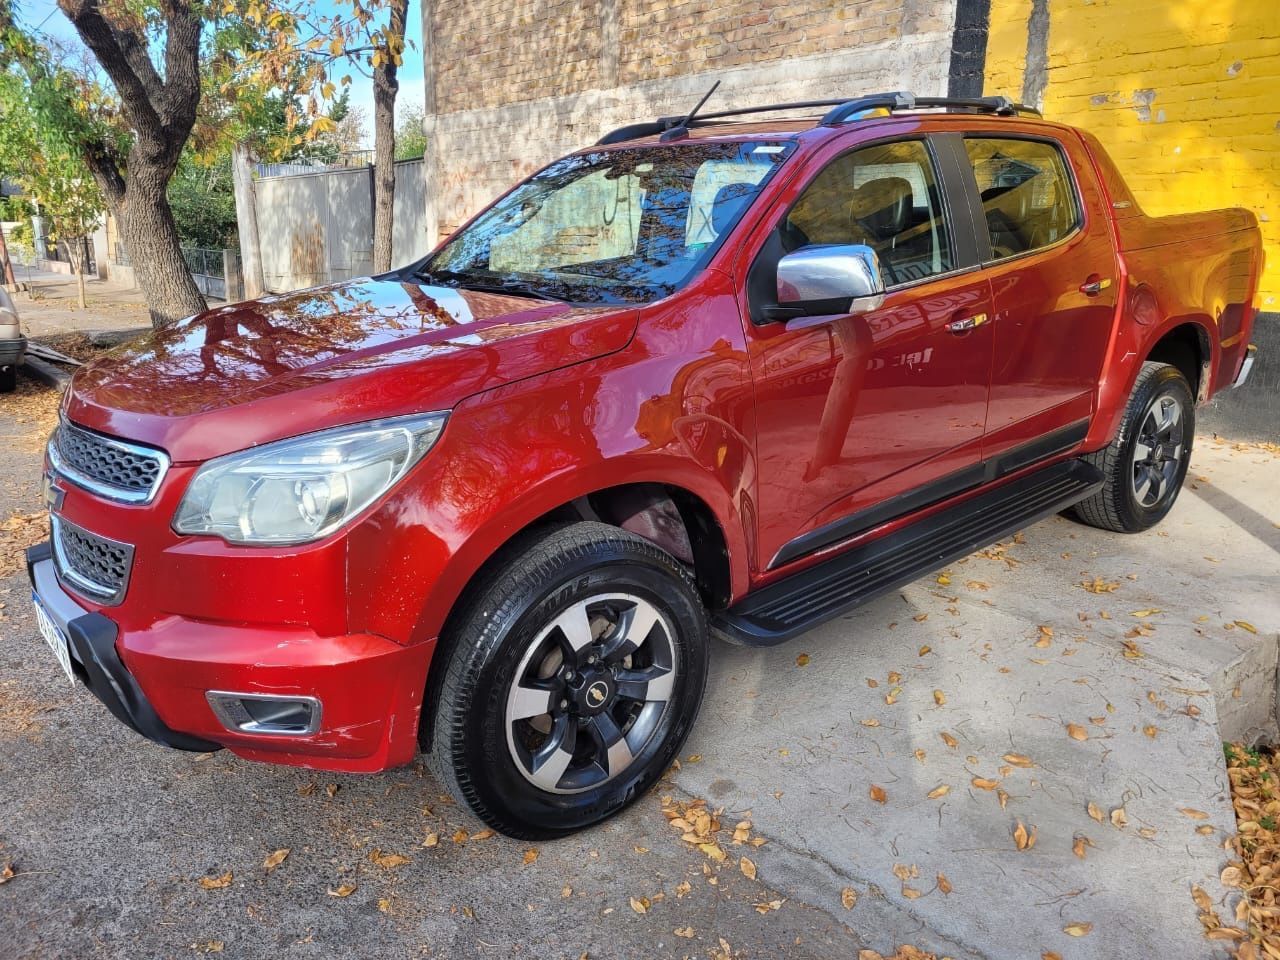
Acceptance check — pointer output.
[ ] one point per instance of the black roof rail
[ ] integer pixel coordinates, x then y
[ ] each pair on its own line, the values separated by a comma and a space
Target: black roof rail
840, 111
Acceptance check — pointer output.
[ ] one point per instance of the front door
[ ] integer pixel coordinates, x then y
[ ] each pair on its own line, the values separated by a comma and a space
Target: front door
856, 410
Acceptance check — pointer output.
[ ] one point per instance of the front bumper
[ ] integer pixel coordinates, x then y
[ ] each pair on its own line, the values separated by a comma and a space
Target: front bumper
156, 681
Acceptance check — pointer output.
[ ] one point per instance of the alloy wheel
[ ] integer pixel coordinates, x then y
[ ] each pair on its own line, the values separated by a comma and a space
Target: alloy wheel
1158, 452
590, 692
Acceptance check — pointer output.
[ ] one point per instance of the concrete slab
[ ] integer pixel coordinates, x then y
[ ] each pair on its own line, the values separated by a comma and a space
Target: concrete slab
802, 746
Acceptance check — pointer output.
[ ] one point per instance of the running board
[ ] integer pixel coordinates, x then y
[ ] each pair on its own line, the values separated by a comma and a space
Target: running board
803, 600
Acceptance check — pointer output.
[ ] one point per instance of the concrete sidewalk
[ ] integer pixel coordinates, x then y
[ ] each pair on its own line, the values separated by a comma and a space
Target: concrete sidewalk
1009, 674
50, 304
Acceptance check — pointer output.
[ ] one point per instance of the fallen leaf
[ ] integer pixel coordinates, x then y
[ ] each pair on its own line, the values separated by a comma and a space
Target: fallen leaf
275, 859
802, 660
384, 904
924, 651
948, 739
1232, 876
1018, 760
1150, 730
432, 840
482, 835
388, 860
344, 890
877, 793
683, 887
1077, 732
1080, 843
747, 867
1023, 838
984, 784
1143, 614
1095, 811
944, 580
1003, 798
460, 836
530, 856
944, 884
216, 883
920, 617
848, 897
640, 905
911, 893
939, 791
1077, 929
871, 723
1245, 625
685, 932
939, 698
1118, 818
1193, 813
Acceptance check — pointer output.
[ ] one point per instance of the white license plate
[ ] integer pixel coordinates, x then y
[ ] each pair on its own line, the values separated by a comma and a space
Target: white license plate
54, 637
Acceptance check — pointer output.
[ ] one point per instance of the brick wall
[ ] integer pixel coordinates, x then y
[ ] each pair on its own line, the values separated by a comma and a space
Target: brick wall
1184, 94
511, 86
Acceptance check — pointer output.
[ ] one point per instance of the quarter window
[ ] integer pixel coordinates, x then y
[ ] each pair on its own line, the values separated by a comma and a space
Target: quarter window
1028, 197
884, 196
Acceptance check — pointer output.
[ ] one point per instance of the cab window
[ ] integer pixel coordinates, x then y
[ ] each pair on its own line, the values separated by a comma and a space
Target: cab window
885, 196
1028, 196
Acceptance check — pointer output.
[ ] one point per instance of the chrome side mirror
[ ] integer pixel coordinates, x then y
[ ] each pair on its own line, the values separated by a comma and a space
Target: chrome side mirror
830, 278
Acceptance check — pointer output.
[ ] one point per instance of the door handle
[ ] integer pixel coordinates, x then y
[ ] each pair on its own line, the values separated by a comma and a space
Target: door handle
968, 323
1095, 285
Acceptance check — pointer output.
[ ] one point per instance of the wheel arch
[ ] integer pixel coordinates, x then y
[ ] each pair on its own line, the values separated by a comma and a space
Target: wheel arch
678, 519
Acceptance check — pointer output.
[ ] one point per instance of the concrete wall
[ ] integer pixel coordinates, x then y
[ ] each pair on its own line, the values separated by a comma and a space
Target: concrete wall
510, 87
318, 227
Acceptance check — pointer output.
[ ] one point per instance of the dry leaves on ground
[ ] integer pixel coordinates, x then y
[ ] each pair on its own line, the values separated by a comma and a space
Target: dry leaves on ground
1255, 794
700, 827
18, 532
903, 952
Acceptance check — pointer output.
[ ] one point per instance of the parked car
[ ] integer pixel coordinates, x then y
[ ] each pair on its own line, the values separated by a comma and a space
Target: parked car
13, 345
724, 374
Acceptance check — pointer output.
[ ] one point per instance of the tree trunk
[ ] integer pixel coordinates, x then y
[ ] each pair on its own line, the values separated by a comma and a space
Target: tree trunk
247, 221
75, 253
151, 237
385, 88
5, 265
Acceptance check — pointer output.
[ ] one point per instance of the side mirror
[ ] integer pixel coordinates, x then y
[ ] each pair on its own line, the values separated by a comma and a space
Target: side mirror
828, 279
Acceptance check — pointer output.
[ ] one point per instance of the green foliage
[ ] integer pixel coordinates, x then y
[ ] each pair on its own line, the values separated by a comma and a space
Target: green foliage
203, 203
411, 141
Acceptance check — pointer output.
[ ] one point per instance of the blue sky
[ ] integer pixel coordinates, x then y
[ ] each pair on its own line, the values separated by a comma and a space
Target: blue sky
45, 15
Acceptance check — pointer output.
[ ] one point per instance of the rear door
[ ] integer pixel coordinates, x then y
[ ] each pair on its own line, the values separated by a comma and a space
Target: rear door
864, 416
1048, 252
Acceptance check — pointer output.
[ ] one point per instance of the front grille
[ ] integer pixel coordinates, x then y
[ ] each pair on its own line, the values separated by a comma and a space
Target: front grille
111, 468
91, 565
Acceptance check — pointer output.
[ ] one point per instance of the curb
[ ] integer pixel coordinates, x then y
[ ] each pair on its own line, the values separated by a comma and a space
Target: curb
45, 373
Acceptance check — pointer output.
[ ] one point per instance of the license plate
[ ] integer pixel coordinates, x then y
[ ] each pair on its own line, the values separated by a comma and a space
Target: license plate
54, 637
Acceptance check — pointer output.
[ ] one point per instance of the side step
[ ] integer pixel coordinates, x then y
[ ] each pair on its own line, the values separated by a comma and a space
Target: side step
803, 600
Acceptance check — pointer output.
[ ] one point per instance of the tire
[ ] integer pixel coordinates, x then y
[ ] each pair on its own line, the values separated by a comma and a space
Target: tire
8, 379
559, 620
1139, 490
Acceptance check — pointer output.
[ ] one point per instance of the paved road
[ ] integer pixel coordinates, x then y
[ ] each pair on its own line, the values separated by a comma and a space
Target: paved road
110, 835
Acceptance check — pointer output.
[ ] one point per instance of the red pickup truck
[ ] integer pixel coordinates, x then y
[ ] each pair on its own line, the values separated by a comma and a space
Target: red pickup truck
731, 373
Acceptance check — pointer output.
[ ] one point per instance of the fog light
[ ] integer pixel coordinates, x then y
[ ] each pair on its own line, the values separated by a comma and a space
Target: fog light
263, 713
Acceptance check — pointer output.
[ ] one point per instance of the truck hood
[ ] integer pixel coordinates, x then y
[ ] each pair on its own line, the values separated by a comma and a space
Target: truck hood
248, 373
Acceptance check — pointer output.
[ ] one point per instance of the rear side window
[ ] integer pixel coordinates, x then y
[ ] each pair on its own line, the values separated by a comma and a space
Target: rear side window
1028, 196
884, 196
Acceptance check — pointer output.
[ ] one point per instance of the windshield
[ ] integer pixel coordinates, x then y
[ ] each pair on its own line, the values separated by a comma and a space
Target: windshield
612, 226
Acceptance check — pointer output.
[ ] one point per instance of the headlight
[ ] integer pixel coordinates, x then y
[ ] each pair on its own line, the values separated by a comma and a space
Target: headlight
302, 489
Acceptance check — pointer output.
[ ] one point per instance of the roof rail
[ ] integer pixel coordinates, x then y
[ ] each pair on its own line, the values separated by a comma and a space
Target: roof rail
840, 111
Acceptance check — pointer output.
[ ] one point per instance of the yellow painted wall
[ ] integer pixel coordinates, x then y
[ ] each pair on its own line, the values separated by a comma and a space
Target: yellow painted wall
1184, 94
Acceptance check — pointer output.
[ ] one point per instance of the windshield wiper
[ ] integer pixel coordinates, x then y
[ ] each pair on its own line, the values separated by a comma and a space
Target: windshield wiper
464, 281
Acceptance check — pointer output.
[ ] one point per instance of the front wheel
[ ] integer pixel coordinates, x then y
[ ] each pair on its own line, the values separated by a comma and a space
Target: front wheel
1145, 464
575, 672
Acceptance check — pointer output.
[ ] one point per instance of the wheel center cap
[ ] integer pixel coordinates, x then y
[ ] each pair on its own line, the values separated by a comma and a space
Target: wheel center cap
594, 694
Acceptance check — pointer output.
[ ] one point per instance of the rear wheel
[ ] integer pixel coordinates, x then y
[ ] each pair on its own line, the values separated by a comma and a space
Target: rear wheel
8, 379
575, 672
1145, 464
